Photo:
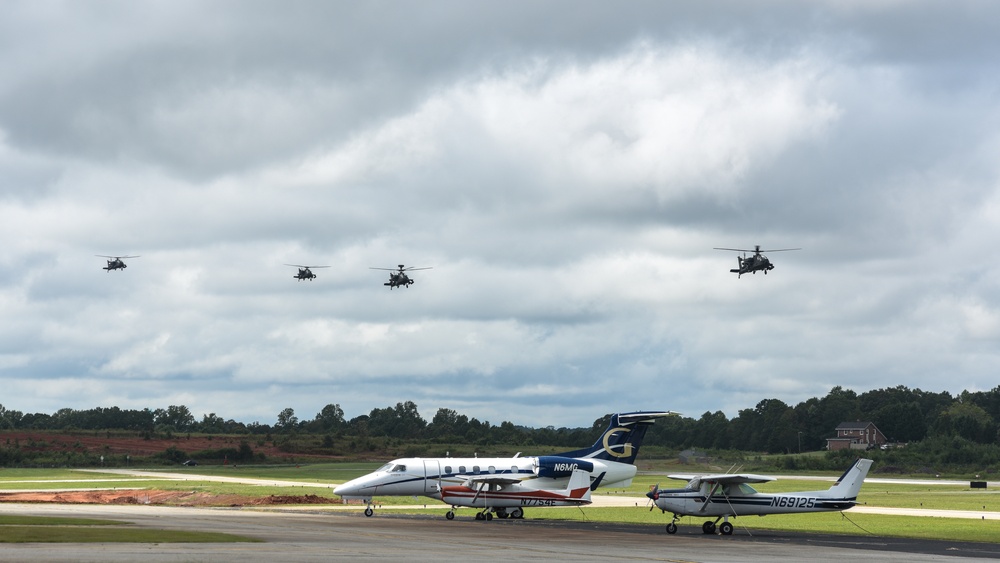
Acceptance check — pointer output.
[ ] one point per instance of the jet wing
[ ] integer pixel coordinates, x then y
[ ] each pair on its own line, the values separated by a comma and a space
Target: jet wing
725, 478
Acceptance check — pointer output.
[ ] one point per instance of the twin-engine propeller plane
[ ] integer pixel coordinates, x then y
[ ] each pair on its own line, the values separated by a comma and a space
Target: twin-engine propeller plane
607, 463
114, 262
728, 495
398, 277
500, 494
754, 263
305, 272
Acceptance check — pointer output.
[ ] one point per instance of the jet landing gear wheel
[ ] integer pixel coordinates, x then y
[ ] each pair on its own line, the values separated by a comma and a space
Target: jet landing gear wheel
708, 527
671, 528
726, 529
369, 511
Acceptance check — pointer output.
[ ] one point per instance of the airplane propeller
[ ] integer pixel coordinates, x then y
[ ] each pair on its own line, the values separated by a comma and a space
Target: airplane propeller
653, 495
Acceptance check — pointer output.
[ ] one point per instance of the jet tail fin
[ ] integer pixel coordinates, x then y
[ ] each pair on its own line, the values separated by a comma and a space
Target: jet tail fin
850, 482
621, 441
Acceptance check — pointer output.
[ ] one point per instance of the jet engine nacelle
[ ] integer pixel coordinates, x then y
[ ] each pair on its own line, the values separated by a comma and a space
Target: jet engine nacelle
556, 467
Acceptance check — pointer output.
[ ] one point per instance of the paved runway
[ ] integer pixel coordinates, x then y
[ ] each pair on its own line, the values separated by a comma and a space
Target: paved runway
325, 535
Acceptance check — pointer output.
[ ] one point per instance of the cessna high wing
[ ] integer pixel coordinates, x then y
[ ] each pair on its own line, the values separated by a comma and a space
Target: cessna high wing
507, 497
609, 462
728, 495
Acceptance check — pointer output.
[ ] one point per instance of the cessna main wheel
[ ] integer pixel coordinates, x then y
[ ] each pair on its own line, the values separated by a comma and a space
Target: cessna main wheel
450, 515
708, 527
671, 528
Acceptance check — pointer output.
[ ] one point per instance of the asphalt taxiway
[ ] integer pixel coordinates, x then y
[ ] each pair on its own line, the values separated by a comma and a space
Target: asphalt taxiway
302, 535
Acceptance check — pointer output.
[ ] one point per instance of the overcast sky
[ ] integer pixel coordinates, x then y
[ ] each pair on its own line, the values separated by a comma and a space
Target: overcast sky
566, 168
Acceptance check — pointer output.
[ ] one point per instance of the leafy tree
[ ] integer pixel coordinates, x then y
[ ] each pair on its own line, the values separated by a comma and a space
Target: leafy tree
968, 421
330, 418
286, 420
9, 419
901, 422
178, 417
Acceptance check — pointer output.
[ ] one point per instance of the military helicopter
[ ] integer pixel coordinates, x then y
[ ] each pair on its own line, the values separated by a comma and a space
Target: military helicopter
305, 272
756, 262
398, 277
114, 262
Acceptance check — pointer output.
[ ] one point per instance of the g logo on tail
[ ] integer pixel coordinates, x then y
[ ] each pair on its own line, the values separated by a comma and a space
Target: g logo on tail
626, 447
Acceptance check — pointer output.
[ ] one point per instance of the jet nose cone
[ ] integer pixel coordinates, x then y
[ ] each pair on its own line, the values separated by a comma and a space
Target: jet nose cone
347, 488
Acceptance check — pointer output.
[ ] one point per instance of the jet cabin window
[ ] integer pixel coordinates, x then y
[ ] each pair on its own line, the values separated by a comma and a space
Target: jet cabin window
461, 469
475, 470
447, 469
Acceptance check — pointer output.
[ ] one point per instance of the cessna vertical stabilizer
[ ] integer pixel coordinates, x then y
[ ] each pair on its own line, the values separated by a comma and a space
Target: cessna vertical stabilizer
609, 462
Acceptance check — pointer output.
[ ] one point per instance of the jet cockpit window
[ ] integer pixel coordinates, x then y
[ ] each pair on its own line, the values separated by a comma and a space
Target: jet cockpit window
399, 468
386, 467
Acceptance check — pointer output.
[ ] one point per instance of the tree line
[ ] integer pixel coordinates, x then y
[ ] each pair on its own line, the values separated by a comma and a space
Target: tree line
904, 415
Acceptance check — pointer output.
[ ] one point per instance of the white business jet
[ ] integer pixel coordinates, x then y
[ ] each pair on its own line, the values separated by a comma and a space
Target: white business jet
728, 495
608, 463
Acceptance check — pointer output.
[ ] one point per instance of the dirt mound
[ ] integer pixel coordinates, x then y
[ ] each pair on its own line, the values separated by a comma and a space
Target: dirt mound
169, 498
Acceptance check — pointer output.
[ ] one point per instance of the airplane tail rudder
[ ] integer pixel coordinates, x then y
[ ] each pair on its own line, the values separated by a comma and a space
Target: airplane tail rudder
579, 485
849, 484
622, 439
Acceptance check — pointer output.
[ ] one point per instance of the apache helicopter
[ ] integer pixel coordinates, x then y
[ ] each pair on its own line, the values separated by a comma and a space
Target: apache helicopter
305, 273
114, 262
398, 277
755, 262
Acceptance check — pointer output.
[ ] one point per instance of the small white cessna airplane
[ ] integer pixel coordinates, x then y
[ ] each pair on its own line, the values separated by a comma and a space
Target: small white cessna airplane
726, 495
609, 462
496, 494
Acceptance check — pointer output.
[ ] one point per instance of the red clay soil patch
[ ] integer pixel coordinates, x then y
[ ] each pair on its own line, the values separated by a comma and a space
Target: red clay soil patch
169, 498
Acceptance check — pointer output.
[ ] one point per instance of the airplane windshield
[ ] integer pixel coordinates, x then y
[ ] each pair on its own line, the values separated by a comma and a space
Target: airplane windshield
392, 467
